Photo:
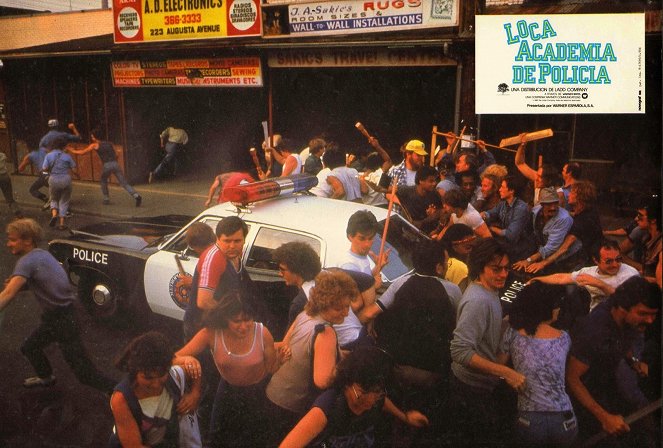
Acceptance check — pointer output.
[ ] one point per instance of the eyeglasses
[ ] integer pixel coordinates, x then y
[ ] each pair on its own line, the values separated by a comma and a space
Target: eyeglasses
640, 216
380, 393
613, 260
497, 268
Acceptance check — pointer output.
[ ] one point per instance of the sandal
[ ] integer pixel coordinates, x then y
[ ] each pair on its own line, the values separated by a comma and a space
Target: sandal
35, 381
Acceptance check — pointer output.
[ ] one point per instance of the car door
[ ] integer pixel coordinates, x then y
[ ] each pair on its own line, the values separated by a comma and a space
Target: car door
165, 291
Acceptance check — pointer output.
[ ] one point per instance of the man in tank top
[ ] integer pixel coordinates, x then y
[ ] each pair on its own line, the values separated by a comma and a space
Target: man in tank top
106, 153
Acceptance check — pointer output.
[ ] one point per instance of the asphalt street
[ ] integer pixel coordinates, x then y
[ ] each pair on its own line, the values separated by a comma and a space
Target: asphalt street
68, 414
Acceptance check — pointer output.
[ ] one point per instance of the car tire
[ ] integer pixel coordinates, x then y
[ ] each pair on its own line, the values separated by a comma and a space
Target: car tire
100, 297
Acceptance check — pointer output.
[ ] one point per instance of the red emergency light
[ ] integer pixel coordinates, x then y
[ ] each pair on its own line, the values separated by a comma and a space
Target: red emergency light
270, 188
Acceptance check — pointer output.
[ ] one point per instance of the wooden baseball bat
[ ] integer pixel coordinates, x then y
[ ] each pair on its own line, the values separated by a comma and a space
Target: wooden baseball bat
536, 135
256, 162
363, 130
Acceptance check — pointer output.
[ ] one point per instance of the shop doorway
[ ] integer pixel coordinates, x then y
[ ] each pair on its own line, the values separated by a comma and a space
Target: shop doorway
395, 104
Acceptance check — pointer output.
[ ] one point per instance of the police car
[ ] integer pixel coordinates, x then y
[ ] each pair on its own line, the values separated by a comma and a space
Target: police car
124, 267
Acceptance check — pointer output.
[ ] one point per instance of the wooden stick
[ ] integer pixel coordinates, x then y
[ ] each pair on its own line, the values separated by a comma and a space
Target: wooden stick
386, 223
449, 134
180, 268
540, 162
432, 146
536, 135
460, 136
629, 420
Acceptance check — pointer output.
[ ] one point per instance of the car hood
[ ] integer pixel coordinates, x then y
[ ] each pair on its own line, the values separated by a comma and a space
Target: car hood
133, 233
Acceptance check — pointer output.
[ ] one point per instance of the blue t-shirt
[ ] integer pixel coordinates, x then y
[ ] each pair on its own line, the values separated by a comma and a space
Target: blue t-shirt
36, 158
50, 137
46, 278
345, 429
58, 165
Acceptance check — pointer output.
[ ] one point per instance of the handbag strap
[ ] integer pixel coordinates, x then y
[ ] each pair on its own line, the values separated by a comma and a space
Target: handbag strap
50, 167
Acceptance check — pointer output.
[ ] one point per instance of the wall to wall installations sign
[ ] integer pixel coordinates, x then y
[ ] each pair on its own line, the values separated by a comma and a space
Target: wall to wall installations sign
206, 72
576, 63
155, 20
355, 16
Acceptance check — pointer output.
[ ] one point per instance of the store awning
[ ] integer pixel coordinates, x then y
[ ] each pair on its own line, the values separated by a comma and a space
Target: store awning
51, 34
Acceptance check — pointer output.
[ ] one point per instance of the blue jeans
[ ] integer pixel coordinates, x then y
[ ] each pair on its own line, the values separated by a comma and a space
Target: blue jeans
114, 168
59, 186
171, 157
546, 428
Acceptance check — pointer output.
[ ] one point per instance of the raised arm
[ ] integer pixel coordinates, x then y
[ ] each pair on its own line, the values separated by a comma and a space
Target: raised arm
526, 171
387, 162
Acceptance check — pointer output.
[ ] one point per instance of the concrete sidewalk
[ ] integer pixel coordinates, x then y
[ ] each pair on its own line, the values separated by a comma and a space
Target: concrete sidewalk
180, 196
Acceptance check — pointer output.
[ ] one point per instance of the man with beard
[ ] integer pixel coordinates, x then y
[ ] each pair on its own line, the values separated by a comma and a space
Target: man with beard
601, 371
551, 225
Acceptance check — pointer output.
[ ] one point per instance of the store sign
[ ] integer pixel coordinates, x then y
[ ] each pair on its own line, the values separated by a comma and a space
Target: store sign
212, 72
348, 17
358, 58
538, 64
158, 20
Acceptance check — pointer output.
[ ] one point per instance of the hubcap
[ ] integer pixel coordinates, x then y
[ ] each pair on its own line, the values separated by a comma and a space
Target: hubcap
101, 295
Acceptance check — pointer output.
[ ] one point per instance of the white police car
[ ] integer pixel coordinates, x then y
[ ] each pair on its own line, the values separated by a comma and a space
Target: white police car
122, 267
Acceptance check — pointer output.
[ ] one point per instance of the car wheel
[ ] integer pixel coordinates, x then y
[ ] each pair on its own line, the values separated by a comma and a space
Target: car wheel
100, 297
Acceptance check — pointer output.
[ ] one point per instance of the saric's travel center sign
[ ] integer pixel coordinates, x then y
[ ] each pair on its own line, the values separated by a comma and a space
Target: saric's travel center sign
156, 20
209, 72
538, 64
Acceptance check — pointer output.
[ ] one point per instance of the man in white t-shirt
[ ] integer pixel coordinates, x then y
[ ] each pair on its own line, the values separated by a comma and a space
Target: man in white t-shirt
361, 230
600, 280
462, 212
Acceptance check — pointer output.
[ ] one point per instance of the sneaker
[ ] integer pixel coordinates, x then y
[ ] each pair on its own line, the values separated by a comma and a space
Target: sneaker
35, 381
150, 178
139, 200
52, 222
46, 205
106, 201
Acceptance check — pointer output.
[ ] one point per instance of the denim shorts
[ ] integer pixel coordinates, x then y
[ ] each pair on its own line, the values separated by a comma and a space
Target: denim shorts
559, 428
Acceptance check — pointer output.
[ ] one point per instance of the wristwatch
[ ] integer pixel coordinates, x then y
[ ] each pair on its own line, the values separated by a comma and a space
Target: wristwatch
529, 260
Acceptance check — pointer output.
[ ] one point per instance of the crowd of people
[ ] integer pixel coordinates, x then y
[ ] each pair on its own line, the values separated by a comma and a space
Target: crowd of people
436, 358
54, 166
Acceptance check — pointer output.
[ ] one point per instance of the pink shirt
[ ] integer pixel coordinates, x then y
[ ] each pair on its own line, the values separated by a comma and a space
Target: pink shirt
243, 369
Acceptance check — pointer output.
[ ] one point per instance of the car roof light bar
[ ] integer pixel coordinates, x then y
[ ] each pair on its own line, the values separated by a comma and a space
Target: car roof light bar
270, 188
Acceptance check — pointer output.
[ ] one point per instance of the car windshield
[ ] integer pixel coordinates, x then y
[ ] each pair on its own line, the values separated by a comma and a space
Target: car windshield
402, 238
